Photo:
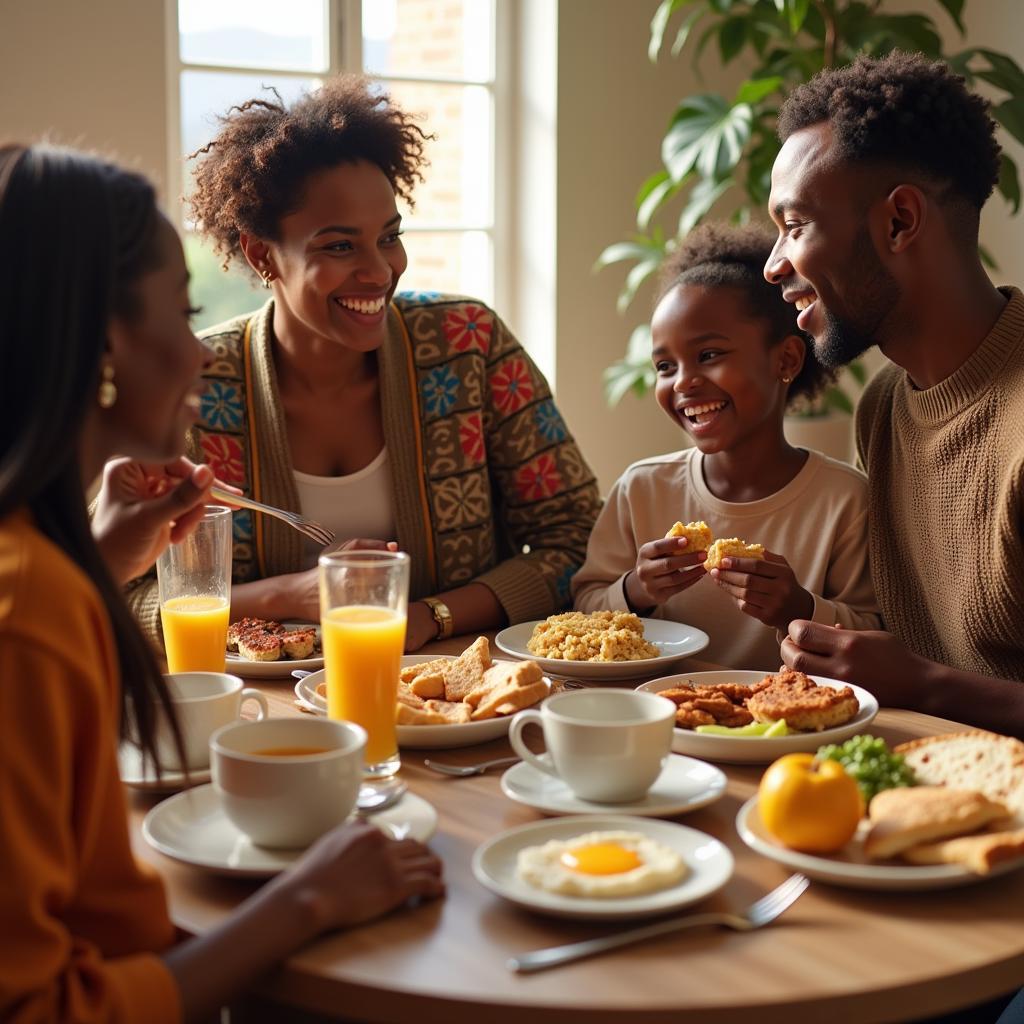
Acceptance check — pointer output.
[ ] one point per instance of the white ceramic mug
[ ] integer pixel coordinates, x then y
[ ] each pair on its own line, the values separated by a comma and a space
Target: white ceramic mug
203, 703
286, 800
606, 745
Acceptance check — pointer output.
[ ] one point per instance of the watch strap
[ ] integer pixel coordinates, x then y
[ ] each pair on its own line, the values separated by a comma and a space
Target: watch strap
442, 616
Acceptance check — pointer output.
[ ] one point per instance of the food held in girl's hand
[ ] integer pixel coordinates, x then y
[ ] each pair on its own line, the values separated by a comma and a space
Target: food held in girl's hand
601, 864
698, 535
871, 763
731, 547
809, 805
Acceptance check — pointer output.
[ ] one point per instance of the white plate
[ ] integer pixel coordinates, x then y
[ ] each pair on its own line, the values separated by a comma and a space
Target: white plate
851, 869
275, 669
709, 863
675, 641
683, 785
419, 737
758, 749
192, 827
135, 771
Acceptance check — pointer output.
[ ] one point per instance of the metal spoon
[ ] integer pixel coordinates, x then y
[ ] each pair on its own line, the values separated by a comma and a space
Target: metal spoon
462, 770
372, 799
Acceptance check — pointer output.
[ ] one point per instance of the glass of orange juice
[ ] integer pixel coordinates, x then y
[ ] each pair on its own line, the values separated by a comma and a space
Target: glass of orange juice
194, 578
363, 600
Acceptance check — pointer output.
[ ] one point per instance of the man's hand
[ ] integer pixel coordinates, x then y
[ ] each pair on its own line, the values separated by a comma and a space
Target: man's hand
141, 508
873, 659
766, 589
663, 568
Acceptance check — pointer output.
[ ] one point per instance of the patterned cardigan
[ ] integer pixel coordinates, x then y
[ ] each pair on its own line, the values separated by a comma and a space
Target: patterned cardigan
488, 484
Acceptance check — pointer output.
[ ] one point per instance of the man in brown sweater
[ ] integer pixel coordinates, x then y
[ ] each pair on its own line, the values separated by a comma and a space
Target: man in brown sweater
877, 193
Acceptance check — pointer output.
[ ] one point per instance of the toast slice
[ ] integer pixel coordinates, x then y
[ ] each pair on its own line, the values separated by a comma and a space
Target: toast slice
511, 685
984, 761
980, 853
466, 672
902, 818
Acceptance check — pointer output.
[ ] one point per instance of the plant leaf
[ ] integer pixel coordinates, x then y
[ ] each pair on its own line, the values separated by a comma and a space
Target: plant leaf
797, 11
653, 192
702, 197
706, 133
1010, 114
1006, 73
659, 23
857, 371
955, 10
684, 31
634, 372
732, 34
1009, 181
836, 398
636, 277
756, 89
619, 251
987, 258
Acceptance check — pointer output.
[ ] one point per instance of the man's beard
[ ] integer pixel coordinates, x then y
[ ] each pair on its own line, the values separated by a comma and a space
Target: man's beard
874, 297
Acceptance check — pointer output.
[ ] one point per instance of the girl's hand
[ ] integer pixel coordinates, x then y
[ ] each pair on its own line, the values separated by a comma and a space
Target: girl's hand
663, 568
355, 873
765, 589
141, 508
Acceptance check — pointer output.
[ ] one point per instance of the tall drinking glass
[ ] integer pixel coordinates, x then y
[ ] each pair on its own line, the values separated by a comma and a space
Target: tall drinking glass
363, 600
194, 578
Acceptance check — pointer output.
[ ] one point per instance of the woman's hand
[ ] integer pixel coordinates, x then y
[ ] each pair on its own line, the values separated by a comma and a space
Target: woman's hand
663, 569
766, 589
141, 508
421, 626
356, 873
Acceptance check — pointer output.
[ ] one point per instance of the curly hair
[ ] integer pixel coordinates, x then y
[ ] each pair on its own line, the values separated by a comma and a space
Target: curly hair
725, 256
254, 170
906, 110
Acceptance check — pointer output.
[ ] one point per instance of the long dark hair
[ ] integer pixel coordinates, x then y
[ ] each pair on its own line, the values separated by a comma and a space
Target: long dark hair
76, 234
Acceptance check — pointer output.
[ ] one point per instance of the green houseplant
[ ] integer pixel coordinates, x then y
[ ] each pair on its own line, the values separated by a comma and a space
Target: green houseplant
716, 146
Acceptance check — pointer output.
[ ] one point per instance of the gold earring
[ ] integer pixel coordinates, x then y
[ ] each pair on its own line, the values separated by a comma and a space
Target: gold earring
787, 380
268, 276
107, 395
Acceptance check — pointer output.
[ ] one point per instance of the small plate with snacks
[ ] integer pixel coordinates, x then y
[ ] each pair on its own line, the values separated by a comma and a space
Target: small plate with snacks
451, 701
267, 649
732, 715
601, 645
603, 866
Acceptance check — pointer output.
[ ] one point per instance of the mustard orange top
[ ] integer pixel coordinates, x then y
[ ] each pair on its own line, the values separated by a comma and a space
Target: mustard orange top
81, 921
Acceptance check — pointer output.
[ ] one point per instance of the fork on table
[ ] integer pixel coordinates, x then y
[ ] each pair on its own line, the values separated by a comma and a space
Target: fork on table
757, 915
316, 532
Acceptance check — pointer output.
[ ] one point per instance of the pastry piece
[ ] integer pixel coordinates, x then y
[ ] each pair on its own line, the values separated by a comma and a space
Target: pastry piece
407, 697
429, 668
906, 817
256, 646
980, 853
298, 643
466, 672
985, 761
453, 712
801, 702
523, 697
428, 686
698, 535
731, 547
248, 625
405, 715
504, 686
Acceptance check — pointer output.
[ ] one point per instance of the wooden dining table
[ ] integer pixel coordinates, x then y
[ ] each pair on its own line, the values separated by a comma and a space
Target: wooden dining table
837, 955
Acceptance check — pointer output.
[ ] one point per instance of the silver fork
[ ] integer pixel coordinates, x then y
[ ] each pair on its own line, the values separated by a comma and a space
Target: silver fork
314, 531
757, 915
462, 770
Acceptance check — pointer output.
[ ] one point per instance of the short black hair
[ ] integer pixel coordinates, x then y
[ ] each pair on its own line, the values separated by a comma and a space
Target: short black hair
906, 110
717, 255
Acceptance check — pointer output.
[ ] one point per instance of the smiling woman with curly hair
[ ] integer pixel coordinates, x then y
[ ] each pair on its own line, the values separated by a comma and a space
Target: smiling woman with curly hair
415, 419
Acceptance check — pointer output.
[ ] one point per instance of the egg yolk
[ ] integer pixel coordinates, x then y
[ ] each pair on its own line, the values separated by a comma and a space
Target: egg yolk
600, 859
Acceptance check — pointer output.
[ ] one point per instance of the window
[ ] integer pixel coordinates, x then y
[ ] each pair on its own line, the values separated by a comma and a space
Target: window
436, 57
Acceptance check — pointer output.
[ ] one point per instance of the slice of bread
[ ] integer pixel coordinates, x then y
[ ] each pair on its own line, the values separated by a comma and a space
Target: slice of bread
425, 668
405, 715
984, 761
524, 697
980, 853
731, 547
513, 685
466, 672
407, 697
453, 712
698, 535
902, 818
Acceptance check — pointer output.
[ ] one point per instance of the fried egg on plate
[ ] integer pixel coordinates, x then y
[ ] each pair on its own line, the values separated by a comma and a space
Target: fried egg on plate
600, 865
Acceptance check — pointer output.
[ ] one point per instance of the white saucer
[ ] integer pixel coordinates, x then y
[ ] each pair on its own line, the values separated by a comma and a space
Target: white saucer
135, 771
683, 785
709, 862
192, 827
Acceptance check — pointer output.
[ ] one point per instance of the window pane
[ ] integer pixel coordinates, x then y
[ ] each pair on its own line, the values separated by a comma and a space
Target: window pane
458, 262
254, 33
458, 190
206, 94
429, 38
222, 294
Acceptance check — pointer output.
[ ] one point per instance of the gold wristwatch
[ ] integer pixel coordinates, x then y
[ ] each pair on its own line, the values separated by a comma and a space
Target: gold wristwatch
442, 616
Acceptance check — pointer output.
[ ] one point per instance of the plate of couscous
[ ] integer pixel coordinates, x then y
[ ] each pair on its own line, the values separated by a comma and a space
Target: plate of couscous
601, 645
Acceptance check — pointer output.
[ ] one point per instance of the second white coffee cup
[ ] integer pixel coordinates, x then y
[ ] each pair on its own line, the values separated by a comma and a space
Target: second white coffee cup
606, 745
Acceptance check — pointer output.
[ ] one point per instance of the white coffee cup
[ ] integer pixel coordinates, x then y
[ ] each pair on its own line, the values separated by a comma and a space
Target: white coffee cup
286, 800
606, 745
203, 703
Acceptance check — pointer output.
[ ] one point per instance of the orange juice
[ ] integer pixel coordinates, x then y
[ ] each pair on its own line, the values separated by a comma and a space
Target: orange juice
362, 655
195, 633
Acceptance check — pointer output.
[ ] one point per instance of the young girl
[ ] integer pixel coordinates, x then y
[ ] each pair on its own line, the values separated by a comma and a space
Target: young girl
729, 359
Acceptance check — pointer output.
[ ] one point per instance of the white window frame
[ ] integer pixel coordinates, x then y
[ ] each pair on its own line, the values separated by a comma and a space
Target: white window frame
344, 35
